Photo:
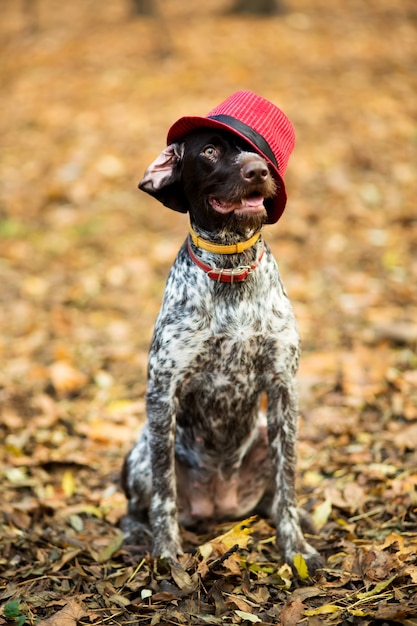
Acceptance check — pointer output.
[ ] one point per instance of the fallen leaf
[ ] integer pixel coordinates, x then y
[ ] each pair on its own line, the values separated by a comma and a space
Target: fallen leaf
394, 612
376, 590
411, 571
240, 602
301, 566
322, 513
68, 484
325, 609
354, 496
292, 612
233, 564
182, 578
83, 507
406, 438
69, 615
116, 598
239, 535
359, 612
248, 616
378, 564
65, 378
68, 556
307, 592
107, 552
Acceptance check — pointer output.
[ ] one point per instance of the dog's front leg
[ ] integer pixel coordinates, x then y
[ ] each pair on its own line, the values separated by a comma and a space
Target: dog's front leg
163, 509
282, 418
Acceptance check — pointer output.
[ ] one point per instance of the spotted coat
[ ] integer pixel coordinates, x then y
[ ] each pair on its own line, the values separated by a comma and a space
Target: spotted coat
219, 442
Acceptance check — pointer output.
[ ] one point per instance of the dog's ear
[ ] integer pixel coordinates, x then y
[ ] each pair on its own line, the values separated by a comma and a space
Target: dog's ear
162, 179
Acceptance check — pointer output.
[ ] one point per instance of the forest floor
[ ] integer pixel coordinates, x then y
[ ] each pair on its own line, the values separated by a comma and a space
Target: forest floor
87, 94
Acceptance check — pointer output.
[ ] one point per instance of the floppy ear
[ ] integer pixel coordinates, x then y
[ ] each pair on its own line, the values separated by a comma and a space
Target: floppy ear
162, 179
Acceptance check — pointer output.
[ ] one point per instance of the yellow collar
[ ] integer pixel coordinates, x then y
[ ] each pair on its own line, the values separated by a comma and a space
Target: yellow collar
232, 248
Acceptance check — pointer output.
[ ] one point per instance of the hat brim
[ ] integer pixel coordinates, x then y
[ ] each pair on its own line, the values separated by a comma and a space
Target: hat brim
274, 206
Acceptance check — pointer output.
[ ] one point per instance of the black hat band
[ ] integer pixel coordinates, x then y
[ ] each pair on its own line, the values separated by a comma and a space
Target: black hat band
252, 135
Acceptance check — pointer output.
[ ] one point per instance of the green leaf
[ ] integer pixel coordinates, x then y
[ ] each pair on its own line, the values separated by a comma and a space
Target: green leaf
377, 589
11, 229
11, 609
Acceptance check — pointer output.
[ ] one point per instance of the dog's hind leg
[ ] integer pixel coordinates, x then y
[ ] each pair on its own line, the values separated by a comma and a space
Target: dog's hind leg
137, 484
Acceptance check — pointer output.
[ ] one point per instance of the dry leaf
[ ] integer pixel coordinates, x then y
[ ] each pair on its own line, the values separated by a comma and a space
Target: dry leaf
69, 615
325, 609
249, 617
68, 556
182, 578
301, 566
107, 552
68, 484
233, 564
239, 535
65, 378
292, 612
322, 512
378, 564
116, 598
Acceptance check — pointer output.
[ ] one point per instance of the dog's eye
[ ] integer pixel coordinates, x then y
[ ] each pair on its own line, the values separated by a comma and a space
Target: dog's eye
210, 151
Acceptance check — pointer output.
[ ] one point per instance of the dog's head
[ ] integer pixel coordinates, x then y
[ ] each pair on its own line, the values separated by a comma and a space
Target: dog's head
199, 170
215, 176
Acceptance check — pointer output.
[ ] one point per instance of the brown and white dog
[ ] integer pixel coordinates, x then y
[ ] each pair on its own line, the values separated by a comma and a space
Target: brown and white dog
225, 337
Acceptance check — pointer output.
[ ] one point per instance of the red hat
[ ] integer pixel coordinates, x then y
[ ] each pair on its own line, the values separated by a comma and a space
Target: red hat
263, 125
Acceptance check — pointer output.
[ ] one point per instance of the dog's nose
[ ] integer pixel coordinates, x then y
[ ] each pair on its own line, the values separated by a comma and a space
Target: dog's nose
254, 172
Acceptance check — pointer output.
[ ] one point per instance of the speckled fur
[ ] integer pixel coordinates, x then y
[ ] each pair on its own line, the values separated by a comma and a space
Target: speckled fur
207, 451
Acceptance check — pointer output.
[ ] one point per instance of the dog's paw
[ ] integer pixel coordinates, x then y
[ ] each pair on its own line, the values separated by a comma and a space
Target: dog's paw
167, 550
310, 561
314, 562
297, 552
136, 533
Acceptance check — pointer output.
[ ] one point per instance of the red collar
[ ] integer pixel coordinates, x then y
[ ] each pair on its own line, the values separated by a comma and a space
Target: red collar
231, 275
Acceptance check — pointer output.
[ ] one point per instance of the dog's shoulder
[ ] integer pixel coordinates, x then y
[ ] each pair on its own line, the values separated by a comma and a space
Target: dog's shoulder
185, 286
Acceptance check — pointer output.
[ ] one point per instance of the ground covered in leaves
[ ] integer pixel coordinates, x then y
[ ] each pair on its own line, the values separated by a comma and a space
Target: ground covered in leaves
88, 92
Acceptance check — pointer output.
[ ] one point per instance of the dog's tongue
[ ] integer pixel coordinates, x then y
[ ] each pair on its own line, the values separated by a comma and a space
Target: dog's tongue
253, 202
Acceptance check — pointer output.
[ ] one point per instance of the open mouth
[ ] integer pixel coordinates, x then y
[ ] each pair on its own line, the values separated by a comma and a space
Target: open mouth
254, 203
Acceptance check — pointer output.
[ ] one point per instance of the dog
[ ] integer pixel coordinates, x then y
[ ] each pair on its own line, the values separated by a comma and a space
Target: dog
225, 341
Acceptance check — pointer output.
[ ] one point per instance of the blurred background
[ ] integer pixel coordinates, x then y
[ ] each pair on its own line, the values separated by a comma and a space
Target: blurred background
88, 92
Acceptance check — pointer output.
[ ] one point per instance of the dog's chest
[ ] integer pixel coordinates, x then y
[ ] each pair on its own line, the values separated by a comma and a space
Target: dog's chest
214, 327
219, 341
